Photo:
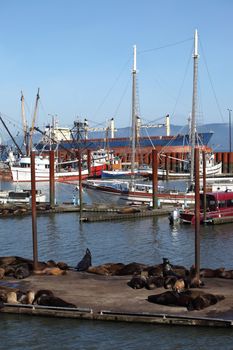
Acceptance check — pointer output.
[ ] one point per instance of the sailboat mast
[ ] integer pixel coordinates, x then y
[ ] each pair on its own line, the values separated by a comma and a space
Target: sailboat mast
25, 132
33, 121
134, 72
194, 104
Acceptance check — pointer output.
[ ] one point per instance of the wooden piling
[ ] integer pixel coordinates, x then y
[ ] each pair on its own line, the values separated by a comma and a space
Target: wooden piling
33, 204
204, 184
51, 179
197, 211
155, 177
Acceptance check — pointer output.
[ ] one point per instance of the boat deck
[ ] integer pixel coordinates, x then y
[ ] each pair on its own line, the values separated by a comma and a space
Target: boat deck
109, 298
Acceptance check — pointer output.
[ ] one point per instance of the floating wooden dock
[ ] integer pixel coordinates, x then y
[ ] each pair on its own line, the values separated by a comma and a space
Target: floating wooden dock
109, 298
91, 213
120, 214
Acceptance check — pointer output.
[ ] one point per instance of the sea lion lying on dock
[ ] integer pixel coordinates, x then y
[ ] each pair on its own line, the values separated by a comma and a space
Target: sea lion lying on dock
50, 271
192, 301
109, 269
47, 298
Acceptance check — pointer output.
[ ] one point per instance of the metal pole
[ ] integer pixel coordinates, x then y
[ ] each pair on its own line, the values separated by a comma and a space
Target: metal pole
89, 162
167, 167
51, 179
197, 212
155, 178
33, 205
194, 105
80, 183
229, 110
204, 184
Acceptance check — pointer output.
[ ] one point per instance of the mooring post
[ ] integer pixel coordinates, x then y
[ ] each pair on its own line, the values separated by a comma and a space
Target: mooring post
80, 183
204, 184
155, 178
51, 179
33, 207
197, 211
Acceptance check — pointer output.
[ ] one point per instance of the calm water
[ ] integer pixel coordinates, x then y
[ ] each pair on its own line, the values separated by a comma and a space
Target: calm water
63, 237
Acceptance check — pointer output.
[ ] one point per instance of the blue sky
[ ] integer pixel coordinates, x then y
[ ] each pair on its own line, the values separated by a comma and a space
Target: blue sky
79, 53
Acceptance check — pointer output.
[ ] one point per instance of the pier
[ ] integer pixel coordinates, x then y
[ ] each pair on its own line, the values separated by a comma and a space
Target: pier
109, 298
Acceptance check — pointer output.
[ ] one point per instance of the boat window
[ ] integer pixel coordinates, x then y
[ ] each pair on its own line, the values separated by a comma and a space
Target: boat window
230, 202
222, 204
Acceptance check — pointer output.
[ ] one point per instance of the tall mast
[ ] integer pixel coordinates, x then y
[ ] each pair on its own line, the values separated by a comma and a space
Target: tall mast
25, 135
134, 72
33, 120
194, 104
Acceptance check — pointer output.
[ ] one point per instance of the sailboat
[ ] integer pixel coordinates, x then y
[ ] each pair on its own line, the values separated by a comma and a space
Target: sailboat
128, 192
122, 192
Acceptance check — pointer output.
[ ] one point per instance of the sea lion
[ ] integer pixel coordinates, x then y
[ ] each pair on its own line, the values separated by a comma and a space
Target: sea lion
153, 282
51, 263
52, 271
39, 293
193, 280
22, 271
203, 301
155, 270
62, 265
169, 281
137, 282
47, 298
109, 269
132, 268
207, 273
11, 298
179, 285
166, 298
85, 263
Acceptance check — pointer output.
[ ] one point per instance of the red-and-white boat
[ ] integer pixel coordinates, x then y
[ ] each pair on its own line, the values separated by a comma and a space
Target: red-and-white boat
123, 192
21, 170
218, 205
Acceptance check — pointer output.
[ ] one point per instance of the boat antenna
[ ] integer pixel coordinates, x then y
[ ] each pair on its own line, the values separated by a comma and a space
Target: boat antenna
194, 105
134, 72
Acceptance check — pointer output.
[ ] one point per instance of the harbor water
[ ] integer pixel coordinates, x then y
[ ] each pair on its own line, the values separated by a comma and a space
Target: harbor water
62, 237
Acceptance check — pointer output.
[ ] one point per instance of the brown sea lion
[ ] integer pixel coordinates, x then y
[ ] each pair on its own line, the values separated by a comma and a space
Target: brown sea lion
169, 281
203, 301
131, 268
52, 271
11, 298
155, 270
109, 269
166, 298
47, 298
22, 271
179, 285
62, 265
137, 282
153, 282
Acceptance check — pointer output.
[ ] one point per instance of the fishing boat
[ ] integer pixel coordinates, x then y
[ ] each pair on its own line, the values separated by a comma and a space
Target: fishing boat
20, 196
64, 171
218, 205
